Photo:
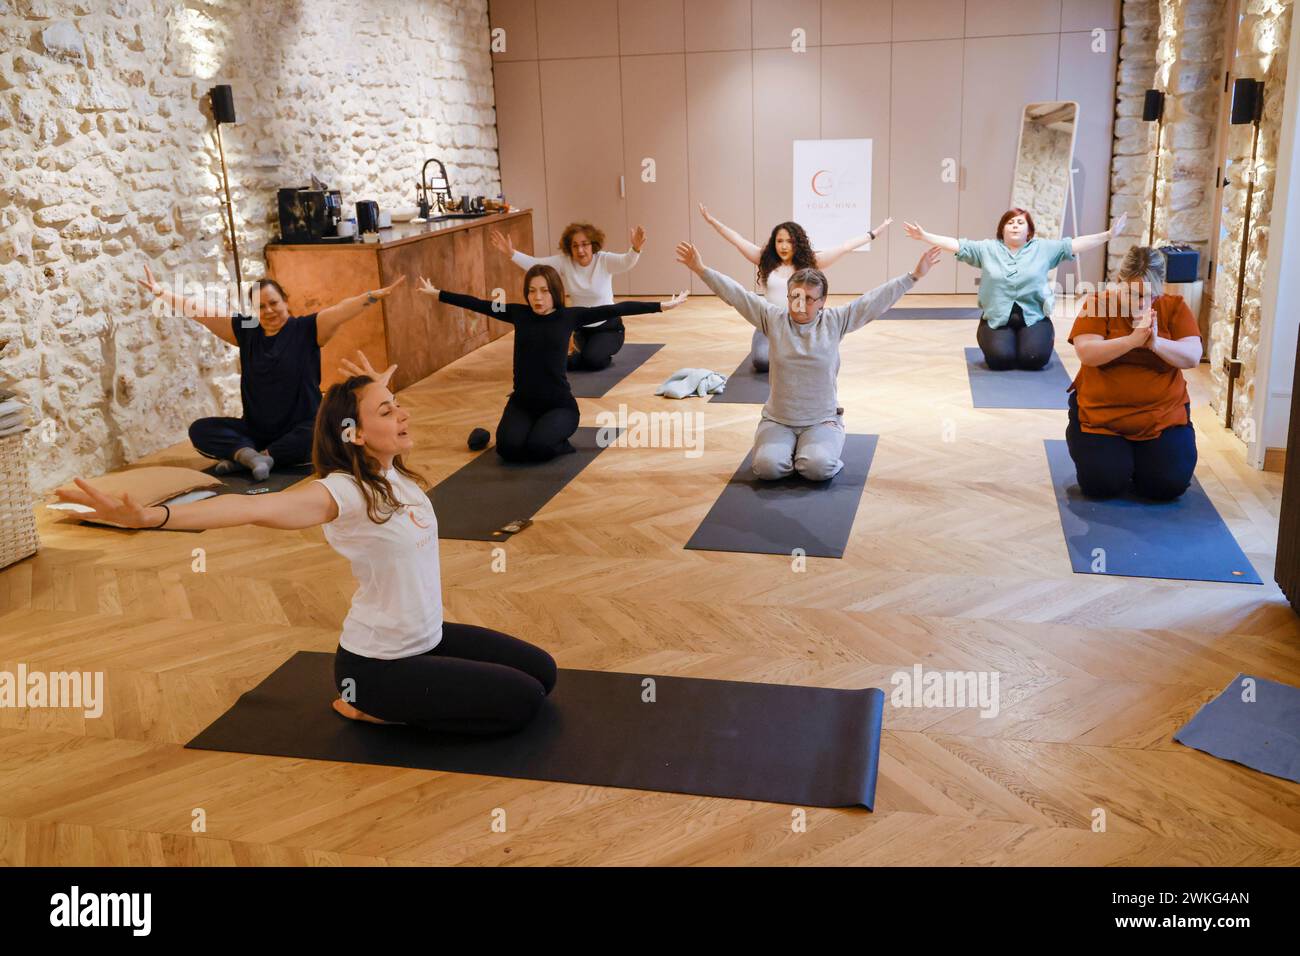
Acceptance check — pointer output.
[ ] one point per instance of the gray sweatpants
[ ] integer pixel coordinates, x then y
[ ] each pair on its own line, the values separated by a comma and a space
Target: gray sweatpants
811, 450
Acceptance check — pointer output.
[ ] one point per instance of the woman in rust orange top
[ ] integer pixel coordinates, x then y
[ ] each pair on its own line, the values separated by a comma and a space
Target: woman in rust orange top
1130, 416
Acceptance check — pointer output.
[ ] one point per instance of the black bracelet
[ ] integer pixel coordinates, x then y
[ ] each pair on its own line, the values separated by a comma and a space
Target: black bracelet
872, 235
167, 518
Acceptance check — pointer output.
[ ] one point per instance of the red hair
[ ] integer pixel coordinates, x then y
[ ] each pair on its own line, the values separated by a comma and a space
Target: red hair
1012, 213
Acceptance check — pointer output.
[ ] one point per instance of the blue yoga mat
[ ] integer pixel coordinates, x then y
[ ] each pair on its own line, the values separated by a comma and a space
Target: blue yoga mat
776, 517
1263, 733
1016, 388
924, 313
1182, 540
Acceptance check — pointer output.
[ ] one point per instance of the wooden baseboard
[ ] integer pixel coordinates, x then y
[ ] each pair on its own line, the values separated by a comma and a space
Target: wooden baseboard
1275, 459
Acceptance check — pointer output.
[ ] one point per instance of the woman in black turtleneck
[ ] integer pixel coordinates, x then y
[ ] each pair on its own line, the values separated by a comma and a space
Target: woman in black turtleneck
541, 413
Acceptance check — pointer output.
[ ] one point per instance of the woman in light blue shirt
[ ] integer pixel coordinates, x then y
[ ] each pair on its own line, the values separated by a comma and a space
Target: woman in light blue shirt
1015, 297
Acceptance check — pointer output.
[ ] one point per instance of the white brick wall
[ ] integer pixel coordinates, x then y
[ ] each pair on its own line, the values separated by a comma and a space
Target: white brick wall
108, 162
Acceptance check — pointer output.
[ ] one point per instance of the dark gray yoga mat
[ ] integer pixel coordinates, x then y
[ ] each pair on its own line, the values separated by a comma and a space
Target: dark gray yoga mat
628, 359
1263, 734
745, 386
780, 743
775, 517
1183, 540
1016, 388
486, 494
924, 313
242, 483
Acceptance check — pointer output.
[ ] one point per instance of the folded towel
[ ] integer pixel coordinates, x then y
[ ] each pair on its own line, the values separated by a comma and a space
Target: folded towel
692, 381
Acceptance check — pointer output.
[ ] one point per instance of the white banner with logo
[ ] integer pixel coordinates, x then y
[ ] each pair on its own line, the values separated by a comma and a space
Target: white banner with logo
832, 190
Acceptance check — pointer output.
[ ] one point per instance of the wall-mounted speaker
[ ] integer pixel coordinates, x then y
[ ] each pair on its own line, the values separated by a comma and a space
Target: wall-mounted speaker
1153, 105
1247, 101
223, 104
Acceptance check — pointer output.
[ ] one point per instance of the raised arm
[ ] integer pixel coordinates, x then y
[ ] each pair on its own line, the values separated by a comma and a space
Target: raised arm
600, 312
747, 249
828, 258
756, 310
495, 310
504, 245
1084, 243
617, 262
305, 506
329, 320
872, 305
218, 323
946, 243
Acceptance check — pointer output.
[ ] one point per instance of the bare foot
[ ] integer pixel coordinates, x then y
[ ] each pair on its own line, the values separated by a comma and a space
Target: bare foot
341, 706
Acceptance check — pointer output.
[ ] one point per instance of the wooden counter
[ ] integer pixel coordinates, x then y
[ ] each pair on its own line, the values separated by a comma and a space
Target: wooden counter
408, 328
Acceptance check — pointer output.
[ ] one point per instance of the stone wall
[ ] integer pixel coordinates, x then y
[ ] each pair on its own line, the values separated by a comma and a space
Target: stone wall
108, 162
1261, 53
1175, 46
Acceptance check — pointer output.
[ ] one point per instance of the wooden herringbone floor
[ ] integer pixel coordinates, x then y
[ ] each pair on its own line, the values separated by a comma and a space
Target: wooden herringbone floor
956, 562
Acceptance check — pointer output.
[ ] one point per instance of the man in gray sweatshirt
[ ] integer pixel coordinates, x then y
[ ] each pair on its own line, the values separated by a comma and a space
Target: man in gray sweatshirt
802, 427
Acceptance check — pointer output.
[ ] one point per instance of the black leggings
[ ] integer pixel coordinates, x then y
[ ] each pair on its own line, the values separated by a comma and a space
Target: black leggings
527, 433
222, 437
1017, 345
596, 348
476, 681
1160, 469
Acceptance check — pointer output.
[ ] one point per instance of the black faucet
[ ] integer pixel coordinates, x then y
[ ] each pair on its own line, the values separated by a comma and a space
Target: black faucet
422, 190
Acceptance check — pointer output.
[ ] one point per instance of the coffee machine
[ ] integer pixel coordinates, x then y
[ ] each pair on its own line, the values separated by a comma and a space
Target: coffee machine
309, 214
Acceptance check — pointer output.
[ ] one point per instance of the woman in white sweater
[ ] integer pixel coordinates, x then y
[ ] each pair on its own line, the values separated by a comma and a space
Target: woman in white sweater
788, 249
588, 273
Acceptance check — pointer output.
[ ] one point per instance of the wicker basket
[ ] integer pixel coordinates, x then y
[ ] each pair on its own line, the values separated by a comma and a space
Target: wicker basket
17, 516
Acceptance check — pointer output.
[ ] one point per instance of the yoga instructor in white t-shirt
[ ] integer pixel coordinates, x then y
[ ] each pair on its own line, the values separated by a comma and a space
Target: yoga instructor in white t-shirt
398, 661
588, 273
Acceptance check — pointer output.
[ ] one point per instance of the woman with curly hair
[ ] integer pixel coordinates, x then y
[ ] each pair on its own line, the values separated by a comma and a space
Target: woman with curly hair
788, 250
588, 273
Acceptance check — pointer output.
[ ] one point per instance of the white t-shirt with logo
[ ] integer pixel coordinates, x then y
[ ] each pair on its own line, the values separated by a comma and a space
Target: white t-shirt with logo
397, 608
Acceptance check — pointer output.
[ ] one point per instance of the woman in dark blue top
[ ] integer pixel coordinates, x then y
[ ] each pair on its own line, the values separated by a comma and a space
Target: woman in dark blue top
541, 412
279, 379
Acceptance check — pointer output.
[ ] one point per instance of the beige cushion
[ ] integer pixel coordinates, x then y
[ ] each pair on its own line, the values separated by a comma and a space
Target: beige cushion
153, 483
